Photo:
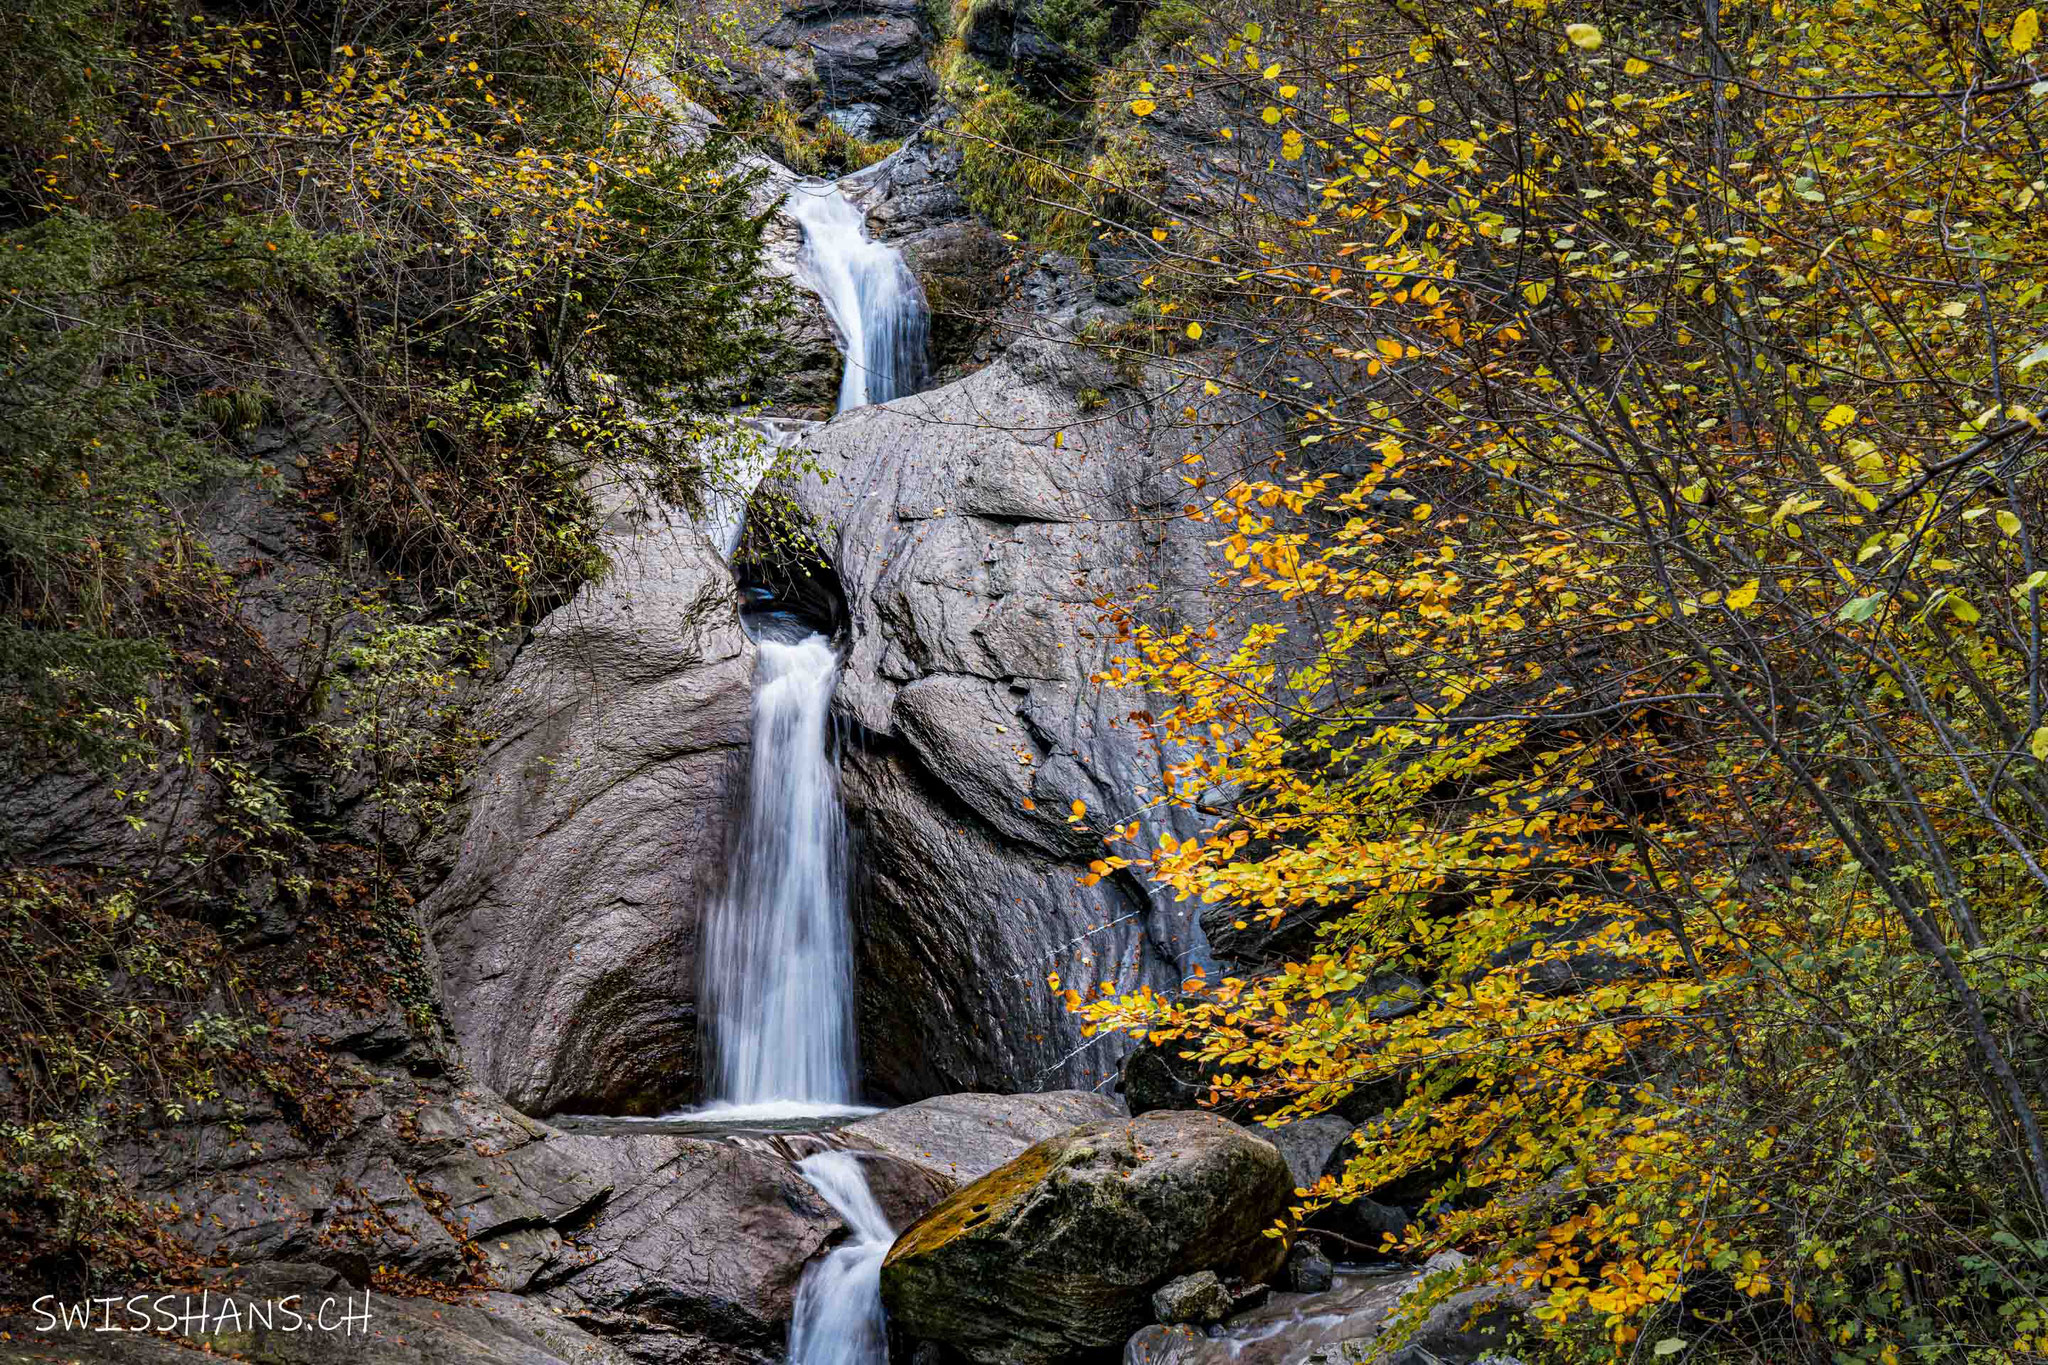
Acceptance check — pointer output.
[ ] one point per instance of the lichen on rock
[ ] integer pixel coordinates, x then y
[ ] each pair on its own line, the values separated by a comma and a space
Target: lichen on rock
1057, 1254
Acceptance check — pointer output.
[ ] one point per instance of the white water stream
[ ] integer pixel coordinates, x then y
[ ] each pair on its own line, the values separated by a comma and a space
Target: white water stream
839, 1318
777, 956
879, 310
777, 960
778, 953
868, 291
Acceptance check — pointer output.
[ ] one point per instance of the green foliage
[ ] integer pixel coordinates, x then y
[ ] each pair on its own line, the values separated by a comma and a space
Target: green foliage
55, 90
1168, 22
405, 280
943, 18
1651, 660
394, 711
1016, 166
1080, 26
102, 998
689, 319
110, 418
827, 149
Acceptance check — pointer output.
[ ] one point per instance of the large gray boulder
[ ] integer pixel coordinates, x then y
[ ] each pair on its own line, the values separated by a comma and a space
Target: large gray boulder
1056, 1254
964, 1137
596, 829
648, 1233
974, 528
1307, 1144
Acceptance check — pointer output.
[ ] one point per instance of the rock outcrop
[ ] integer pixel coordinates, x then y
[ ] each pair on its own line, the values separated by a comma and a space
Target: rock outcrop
566, 933
271, 1315
697, 1252
866, 58
1012, 36
1057, 1254
1344, 1324
964, 1137
974, 528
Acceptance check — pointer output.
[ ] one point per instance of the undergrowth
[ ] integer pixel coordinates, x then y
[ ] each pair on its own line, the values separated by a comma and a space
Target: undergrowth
370, 297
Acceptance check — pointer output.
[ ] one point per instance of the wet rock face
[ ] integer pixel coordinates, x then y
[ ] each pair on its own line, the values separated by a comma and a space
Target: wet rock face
867, 60
974, 527
697, 1252
955, 932
1199, 1297
913, 191
1157, 1076
961, 266
596, 830
1057, 1254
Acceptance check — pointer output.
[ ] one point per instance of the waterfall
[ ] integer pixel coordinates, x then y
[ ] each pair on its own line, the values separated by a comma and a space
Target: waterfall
870, 295
838, 1318
777, 957
777, 954
874, 301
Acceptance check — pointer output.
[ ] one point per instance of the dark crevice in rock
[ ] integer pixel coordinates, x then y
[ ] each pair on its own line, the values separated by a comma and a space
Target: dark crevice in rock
780, 570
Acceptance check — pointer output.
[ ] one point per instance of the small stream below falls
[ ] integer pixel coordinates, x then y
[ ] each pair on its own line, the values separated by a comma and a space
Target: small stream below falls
839, 1319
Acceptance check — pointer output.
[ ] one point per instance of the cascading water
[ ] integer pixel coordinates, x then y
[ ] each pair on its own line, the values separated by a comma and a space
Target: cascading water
778, 956
874, 301
868, 291
839, 1319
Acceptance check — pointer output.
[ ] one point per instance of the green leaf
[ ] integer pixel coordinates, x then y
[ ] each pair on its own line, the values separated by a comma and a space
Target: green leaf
1961, 609
1670, 1346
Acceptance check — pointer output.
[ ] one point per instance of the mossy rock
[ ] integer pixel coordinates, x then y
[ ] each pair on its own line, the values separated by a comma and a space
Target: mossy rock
1055, 1256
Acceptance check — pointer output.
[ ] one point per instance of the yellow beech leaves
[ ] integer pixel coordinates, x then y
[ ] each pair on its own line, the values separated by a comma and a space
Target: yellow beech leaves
1622, 696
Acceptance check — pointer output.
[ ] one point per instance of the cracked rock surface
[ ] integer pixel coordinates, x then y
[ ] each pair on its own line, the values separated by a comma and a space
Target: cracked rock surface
974, 528
596, 831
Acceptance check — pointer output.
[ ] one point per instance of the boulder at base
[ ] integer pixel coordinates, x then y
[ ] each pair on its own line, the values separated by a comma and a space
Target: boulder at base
964, 1137
1056, 1254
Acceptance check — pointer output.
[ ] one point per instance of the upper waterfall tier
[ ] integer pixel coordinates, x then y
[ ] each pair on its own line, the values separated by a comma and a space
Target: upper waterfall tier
869, 293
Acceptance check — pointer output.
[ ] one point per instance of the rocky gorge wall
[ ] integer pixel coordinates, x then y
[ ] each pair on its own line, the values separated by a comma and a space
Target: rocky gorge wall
566, 934
972, 530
